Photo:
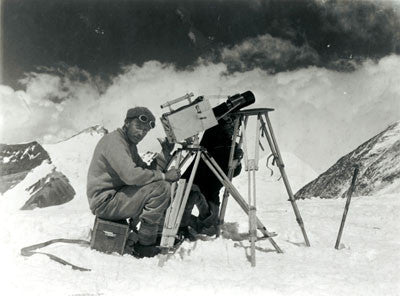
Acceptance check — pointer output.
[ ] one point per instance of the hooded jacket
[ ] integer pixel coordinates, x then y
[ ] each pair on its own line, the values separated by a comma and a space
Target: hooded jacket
116, 163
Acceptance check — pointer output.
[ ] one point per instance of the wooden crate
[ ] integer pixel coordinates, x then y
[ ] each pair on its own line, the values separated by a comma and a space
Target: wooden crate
109, 236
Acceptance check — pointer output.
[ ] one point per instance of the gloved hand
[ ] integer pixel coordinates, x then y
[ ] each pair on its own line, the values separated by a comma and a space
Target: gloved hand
172, 175
237, 157
238, 154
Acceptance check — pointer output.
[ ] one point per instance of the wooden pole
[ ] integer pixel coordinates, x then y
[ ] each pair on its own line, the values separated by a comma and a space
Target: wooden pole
346, 208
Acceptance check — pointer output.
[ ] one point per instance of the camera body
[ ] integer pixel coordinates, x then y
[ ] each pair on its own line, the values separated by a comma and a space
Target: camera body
189, 120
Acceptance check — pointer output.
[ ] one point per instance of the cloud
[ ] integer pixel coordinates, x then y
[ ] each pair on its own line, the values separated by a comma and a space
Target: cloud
46, 110
338, 35
320, 114
365, 20
268, 53
272, 35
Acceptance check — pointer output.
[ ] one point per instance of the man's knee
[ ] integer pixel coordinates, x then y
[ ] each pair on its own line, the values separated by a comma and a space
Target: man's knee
160, 194
163, 188
157, 202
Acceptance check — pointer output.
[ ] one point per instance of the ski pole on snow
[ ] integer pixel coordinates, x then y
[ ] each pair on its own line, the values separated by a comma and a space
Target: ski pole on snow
346, 208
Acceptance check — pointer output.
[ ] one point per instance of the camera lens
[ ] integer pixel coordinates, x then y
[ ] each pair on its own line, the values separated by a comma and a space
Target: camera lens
234, 103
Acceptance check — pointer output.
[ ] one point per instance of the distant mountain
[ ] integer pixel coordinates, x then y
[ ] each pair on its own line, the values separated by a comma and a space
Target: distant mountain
379, 163
16, 161
93, 130
73, 155
49, 172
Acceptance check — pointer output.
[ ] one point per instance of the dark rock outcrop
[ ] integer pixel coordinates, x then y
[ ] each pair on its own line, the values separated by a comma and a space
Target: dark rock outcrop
379, 163
16, 161
54, 189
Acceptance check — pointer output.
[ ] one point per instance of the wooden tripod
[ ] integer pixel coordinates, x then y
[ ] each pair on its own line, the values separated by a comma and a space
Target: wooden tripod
180, 194
251, 165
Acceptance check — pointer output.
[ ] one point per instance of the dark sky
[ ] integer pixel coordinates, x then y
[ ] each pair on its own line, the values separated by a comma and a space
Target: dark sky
103, 36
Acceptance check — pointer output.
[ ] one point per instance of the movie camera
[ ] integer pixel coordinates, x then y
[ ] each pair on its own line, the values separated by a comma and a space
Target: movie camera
197, 116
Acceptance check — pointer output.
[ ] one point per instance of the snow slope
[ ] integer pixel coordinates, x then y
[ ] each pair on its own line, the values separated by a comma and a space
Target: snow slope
367, 264
72, 156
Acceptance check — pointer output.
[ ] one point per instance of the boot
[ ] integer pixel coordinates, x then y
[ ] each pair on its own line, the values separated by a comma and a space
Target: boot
185, 233
210, 224
141, 251
200, 228
209, 231
130, 242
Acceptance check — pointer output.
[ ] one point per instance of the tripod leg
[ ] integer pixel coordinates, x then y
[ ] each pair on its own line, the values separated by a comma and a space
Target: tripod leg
175, 212
169, 231
218, 172
188, 188
252, 213
177, 157
168, 235
253, 167
232, 166
269, 133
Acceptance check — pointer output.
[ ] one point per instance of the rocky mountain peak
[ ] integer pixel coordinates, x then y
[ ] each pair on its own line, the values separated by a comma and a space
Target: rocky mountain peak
93, 131
97, 129
379, 163
17, 160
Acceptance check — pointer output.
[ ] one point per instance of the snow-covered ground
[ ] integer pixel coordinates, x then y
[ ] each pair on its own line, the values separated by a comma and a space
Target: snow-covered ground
368, 262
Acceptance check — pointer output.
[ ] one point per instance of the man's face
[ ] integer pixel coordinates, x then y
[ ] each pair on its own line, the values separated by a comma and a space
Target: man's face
137, 130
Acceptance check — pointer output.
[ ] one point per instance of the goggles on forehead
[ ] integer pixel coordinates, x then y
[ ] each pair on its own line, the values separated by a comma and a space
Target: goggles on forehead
145, 119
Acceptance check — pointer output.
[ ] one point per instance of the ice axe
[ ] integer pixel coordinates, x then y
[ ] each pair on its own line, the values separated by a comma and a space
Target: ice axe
346, 208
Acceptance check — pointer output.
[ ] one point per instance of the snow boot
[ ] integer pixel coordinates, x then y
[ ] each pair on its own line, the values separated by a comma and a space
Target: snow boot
209, 225
130, 242
209, 231
141, 251
185, 233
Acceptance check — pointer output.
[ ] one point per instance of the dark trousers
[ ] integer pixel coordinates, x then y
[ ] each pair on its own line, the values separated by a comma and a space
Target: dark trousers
196, 198
146, 204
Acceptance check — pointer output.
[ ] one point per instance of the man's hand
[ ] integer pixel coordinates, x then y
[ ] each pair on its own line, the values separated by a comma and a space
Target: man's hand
238, 154
172, 175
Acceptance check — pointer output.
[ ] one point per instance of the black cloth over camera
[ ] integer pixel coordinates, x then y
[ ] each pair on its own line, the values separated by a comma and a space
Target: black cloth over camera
217, 140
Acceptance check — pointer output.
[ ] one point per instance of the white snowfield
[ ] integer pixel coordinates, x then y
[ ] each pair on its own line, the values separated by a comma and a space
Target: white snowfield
368, 262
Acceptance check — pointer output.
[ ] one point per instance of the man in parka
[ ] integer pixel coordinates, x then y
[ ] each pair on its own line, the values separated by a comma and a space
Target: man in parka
120, 185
